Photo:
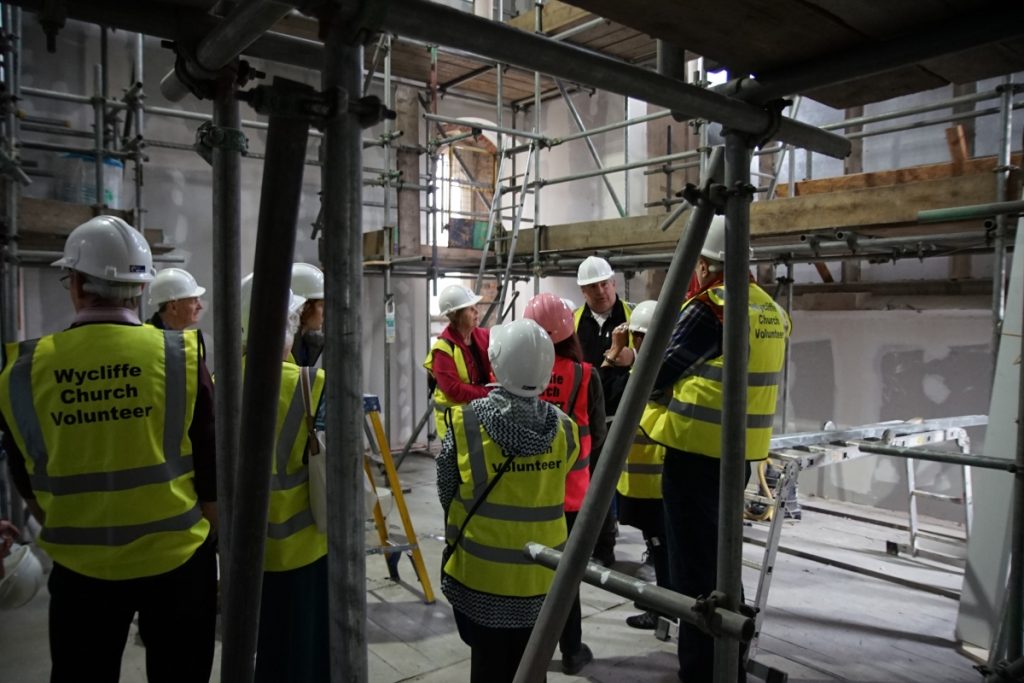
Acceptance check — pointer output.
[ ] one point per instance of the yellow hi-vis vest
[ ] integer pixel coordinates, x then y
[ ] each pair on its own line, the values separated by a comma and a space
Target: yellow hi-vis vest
627, 308
641, 477
692, 421
526, 505
101, 413
293, 540
441, 401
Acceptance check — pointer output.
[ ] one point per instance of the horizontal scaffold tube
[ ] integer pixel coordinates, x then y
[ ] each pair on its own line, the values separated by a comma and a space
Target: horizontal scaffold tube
661, 600
432, 22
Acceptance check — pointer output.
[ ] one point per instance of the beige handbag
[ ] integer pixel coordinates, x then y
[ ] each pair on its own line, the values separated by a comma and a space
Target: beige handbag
316, 450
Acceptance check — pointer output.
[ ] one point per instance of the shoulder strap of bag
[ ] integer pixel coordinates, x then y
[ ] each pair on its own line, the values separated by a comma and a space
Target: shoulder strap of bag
312, 443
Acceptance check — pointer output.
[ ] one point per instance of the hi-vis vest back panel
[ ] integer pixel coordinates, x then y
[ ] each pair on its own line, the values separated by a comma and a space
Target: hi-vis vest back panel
692, 421
641, 477
102, 413
441, 401
292, 537
525, 505
570, 387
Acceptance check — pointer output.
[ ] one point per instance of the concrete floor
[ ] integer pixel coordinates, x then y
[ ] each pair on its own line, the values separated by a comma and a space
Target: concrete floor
822, 623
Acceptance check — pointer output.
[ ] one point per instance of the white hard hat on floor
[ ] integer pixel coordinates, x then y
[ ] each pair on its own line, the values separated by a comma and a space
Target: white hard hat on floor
593, 269
521, 355
294, 304
172, 284
23, 577
307, 281
107, 248
456, 297
640, 321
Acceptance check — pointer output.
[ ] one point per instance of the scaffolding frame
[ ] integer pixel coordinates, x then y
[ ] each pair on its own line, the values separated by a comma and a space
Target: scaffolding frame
341, 64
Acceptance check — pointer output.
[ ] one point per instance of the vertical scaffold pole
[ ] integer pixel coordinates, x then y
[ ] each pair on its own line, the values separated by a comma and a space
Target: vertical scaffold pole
227, 324
735, 350
343, 249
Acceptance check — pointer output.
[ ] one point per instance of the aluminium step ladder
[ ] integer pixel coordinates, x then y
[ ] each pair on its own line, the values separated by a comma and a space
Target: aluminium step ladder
391, 550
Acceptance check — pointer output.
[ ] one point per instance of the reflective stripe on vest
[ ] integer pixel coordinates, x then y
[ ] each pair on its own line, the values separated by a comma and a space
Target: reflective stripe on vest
293, 541
692, 419
106, 445
641, 477
526, 504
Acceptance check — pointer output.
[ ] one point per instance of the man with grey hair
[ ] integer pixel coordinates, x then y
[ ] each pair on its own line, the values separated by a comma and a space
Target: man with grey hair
109, 430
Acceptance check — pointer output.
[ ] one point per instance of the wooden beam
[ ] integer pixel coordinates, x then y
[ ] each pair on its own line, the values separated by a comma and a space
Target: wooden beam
957, 142
895, 206
985, 165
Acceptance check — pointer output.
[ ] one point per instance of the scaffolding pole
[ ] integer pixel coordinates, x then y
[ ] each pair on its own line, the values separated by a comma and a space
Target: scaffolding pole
735, 350
577, 552
280, 195
1002, 178
227, 324
9, 280
343, 250
243, 25
429, 21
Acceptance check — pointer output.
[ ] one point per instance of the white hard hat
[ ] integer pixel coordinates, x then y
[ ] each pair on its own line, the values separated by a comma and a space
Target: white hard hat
23, 577
294, 304
456, 297
108, 248
642, 315
714, 243
521, 355
593, 269
308, 281
172, 284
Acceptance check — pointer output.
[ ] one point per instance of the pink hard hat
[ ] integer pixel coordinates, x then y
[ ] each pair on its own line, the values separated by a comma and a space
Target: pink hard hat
551, 313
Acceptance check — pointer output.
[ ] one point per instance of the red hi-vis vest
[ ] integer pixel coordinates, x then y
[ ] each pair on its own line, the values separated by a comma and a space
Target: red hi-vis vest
570, 388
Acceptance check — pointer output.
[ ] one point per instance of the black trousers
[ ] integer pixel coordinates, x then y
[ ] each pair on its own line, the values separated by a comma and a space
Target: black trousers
496, 652
293, 640
89, 620
689, 485
572, 633
648, 515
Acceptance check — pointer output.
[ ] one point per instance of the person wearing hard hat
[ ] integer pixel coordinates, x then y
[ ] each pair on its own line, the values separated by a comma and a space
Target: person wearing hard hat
639, 486
576, 389
531, 445
176, 294
293, 626
457, 362
308, 282
685, 417
108, 426
602, 312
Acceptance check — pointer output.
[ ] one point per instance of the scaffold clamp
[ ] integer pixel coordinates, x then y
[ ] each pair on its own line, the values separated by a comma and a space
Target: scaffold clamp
210, 137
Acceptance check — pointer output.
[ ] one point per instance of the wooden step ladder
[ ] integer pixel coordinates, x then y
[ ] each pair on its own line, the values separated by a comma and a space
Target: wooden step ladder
391, 551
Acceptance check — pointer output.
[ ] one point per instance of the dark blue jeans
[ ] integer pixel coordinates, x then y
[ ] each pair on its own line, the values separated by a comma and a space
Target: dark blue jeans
689, 485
